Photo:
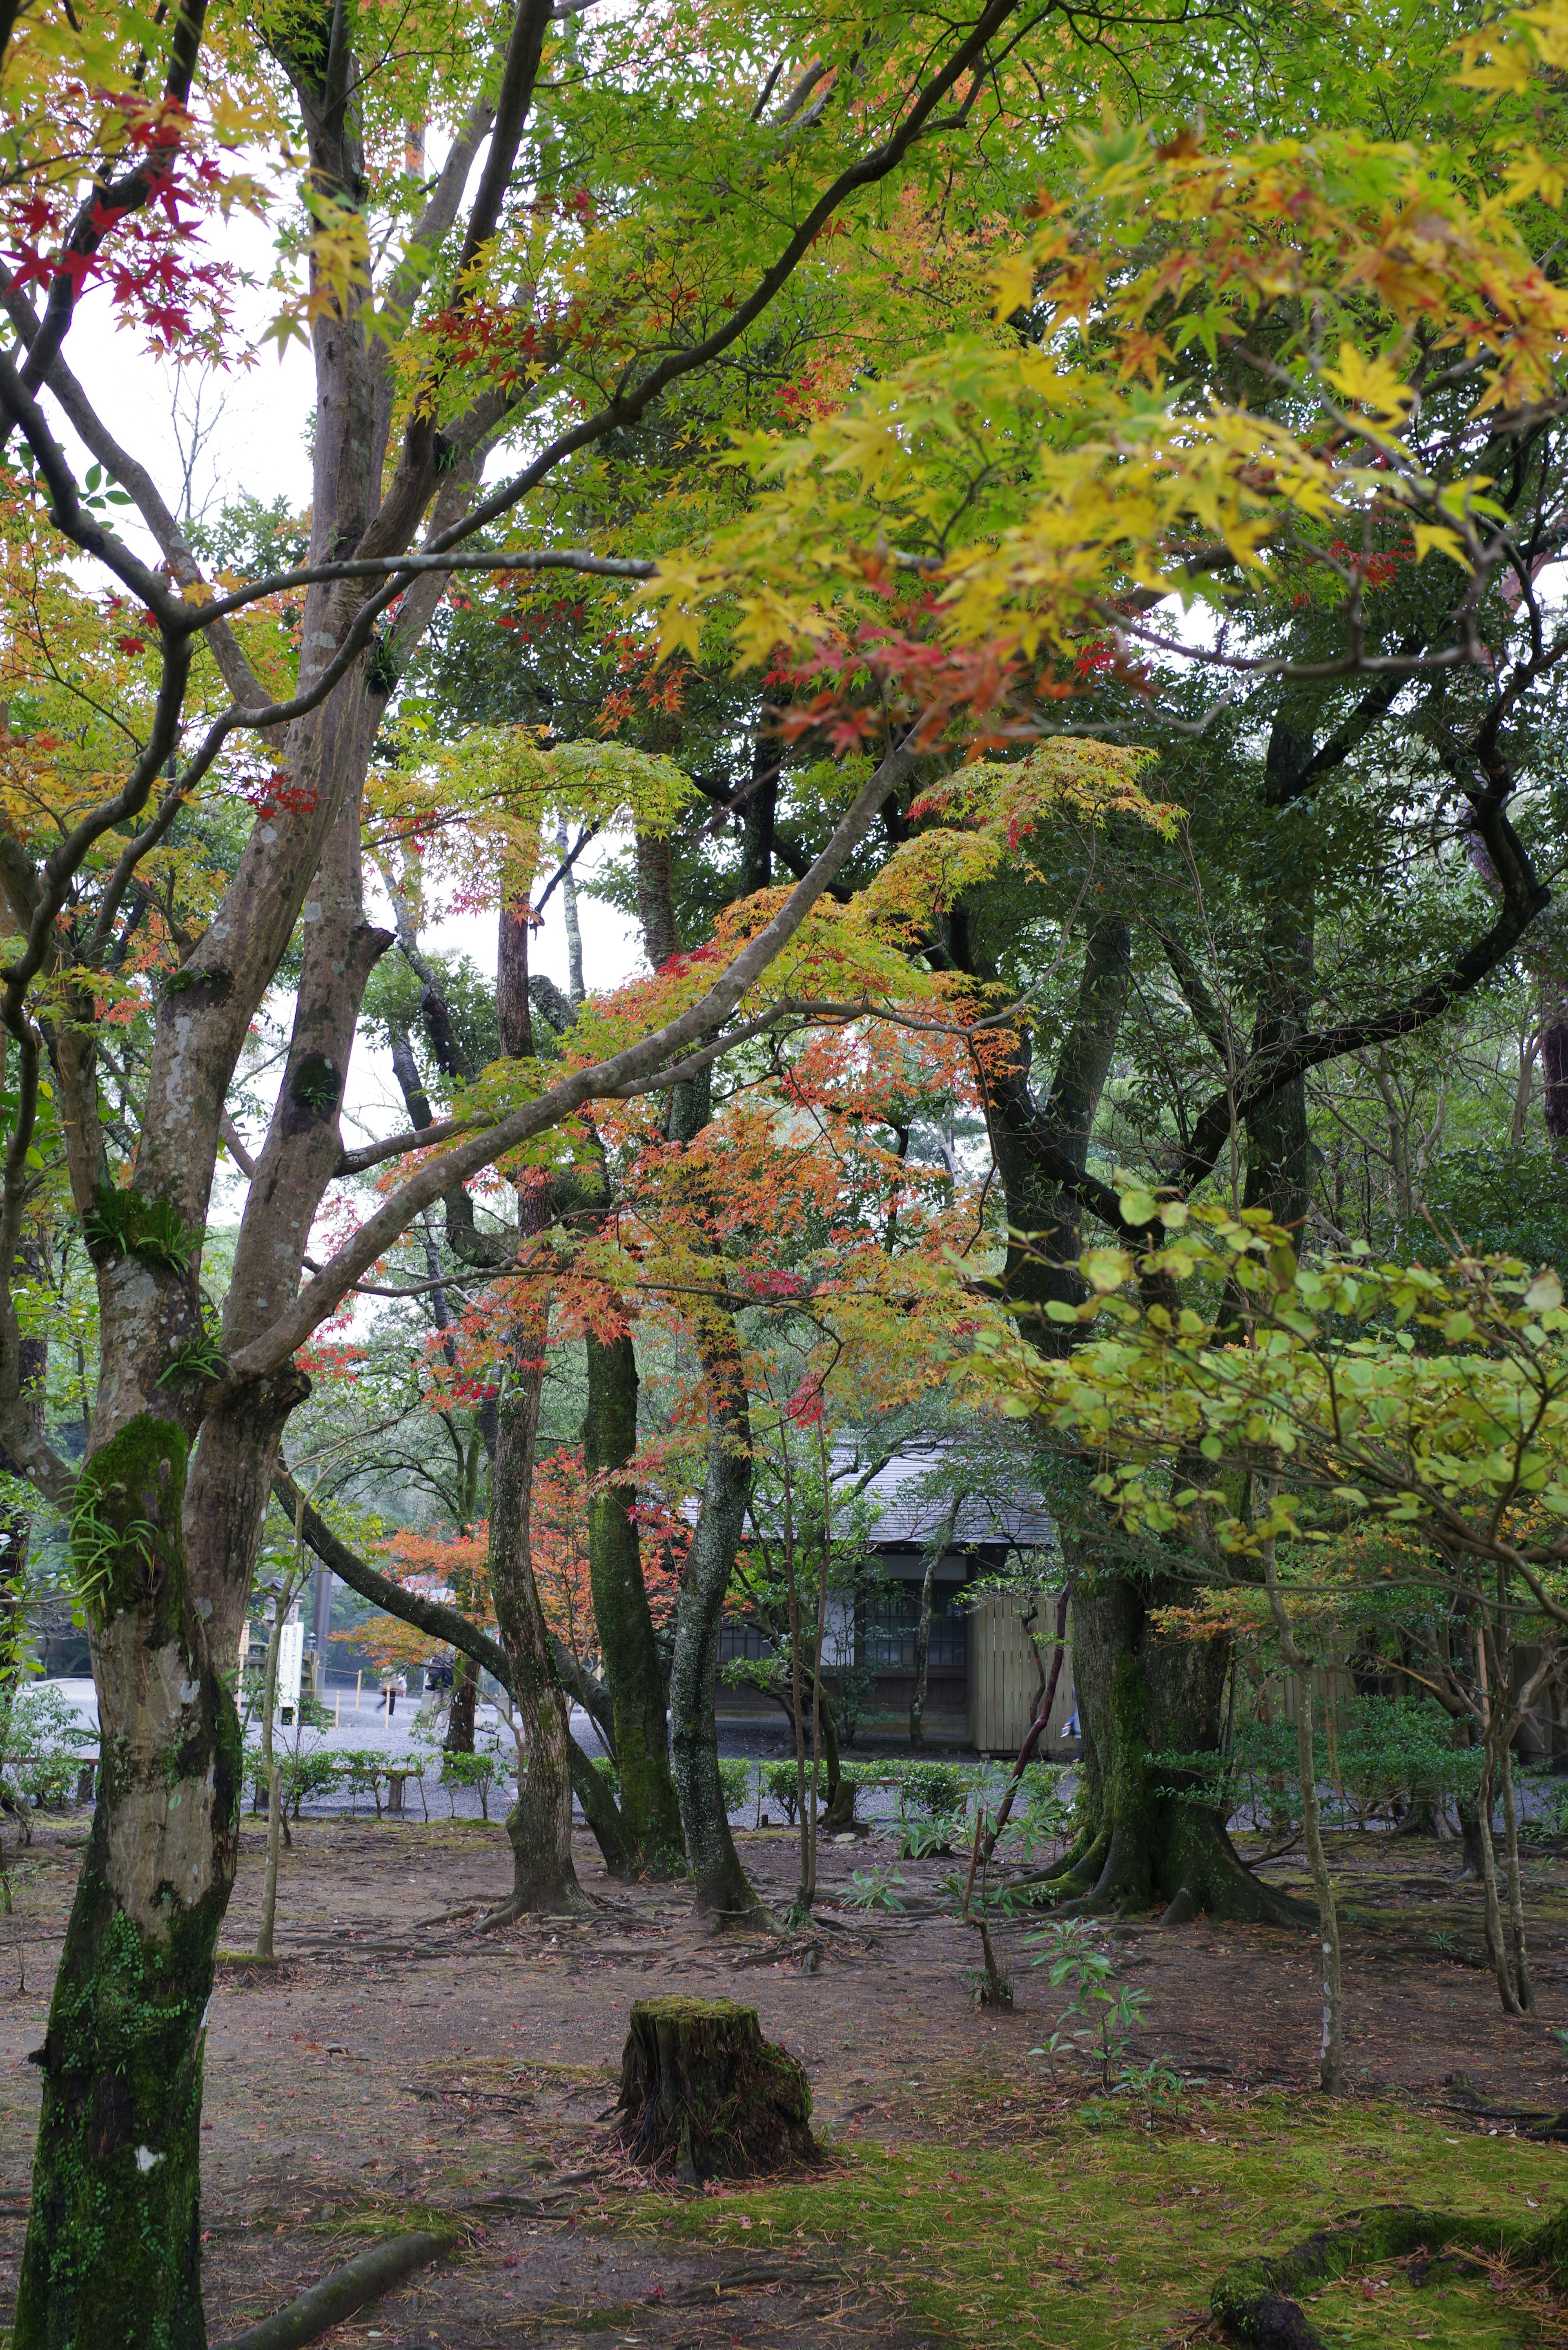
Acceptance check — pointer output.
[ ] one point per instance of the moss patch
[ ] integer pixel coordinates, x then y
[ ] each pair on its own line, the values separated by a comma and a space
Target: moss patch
1111, 2238
126, 1542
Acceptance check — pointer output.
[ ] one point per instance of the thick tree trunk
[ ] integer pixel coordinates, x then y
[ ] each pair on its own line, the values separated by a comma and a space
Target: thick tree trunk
113, 2243
459, 1739
722, 1886
1141, 1694
1045, 1225
650, 1807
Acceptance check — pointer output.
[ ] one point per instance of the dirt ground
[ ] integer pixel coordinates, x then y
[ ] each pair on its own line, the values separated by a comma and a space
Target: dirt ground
396, 2061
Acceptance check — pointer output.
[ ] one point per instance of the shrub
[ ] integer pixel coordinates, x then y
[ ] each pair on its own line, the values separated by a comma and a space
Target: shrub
1386, 1751
735, 1778
363, 1771
938, 1789
781, 1787
307, 1776
480, 1771
43, 1745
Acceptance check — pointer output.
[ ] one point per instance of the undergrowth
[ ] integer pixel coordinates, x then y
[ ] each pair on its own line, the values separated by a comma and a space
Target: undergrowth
1110, 2236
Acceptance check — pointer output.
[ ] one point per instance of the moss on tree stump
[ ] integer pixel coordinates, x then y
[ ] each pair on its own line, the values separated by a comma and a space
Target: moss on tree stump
698, 2085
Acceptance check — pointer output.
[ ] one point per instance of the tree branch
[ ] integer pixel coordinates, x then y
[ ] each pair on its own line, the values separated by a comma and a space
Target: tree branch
642, 1060
432, 1616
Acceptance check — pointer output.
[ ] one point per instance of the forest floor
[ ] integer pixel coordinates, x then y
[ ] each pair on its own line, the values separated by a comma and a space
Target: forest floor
388, 2067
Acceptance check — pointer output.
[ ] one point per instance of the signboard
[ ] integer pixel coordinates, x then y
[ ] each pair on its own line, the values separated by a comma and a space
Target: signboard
290, 1651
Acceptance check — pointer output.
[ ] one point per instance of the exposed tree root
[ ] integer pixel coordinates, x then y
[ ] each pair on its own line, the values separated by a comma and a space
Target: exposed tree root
363, 2278
1254, 2300
569, 1902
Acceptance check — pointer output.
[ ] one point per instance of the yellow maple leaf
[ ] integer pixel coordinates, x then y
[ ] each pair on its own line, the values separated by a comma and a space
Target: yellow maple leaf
1432, 538
1371, 383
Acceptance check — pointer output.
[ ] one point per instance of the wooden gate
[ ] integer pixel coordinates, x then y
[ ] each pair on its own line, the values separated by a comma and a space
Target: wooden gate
1006, 1673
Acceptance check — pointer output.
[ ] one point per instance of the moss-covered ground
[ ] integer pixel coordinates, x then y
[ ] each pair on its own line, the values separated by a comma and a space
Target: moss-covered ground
1101, 2231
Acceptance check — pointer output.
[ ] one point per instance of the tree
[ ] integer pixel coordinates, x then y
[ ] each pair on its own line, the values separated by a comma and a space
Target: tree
1326, 1396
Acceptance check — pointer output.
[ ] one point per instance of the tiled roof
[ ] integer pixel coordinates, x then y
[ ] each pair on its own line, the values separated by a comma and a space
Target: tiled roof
913, 1492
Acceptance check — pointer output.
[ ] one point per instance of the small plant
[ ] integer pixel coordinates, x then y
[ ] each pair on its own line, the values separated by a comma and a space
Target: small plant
921, 1839
735, 1779
1549, 1823
381, 661
1101, 2014
99, 1547
479, 1771
1156, 2086
194, 1358
875, 1889
315, 1083
132, 1225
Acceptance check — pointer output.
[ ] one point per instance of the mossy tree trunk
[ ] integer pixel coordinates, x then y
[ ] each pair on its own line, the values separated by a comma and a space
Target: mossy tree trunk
1146, 1838
113, 2254
1140, 1693
539, 1824
650, 1807
721, 1885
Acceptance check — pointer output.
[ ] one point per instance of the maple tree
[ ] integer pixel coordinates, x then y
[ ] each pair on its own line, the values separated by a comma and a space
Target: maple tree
1384, 1441
1264, 445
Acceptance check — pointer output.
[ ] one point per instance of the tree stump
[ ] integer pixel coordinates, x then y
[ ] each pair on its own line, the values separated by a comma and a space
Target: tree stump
699, 2082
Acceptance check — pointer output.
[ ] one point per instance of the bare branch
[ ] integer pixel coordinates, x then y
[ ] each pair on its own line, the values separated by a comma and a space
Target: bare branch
398, 1146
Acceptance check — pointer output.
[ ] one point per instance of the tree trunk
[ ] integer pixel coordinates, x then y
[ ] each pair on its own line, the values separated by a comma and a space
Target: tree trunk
1142, 1694
1045, 1225
576, 990
722, 1886
700, 2083
1139, 1693
272, 1776
117, 2166
1470, 1846
1523, 1985
539, 1824
16, 1528
650, 1807
459, 1739
1555, 1059
922, 1654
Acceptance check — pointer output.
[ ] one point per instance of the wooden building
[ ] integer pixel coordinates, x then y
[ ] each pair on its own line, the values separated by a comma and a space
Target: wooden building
989, 1645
